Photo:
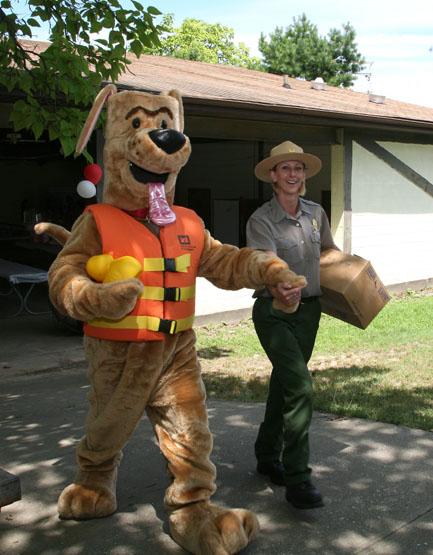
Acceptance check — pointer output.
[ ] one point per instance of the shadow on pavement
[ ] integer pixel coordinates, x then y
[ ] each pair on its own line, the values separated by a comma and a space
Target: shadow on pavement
377, 480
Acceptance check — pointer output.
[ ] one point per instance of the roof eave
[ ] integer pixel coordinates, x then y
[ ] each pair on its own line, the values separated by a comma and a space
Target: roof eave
214, 107
307, 115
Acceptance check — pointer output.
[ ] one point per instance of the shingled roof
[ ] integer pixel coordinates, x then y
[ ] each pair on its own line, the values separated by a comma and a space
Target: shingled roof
233, 87
227, 84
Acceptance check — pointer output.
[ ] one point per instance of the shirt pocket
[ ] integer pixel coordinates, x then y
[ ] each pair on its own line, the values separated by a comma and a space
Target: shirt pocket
315, 241
288, 249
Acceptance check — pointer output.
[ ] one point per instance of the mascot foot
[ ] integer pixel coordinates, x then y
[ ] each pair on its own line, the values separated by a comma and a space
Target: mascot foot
206, 529
93, 496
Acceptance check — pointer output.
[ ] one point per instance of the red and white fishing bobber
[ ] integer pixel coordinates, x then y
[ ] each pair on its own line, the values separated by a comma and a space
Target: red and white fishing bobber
92, 175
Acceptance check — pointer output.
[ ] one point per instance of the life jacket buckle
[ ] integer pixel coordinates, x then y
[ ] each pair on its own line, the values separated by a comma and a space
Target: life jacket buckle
171, 294
169, 264
167, 326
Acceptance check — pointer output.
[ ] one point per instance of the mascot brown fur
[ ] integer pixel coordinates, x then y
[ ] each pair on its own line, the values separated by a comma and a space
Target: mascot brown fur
138, 336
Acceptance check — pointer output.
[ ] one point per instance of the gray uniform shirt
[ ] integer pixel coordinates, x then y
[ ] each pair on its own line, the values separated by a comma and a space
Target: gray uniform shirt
298, 241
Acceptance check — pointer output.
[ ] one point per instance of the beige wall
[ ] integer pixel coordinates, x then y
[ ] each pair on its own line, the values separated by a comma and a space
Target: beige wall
392, 219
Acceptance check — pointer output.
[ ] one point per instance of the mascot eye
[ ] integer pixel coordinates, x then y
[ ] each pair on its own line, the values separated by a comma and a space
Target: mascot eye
136, 123
163, 124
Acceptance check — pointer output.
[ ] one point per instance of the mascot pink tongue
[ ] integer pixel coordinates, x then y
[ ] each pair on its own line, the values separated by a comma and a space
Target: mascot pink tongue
160, 212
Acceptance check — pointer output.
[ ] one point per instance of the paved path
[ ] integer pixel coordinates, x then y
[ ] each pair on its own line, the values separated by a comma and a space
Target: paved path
377, 480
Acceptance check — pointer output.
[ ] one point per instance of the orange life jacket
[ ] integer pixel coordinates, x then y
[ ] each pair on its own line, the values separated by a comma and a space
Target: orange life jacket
170, 265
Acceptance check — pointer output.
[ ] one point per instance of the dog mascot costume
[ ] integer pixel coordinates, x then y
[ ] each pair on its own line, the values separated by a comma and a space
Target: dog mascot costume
128, 270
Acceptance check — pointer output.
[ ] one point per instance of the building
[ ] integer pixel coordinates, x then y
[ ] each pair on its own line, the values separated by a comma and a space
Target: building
377, 179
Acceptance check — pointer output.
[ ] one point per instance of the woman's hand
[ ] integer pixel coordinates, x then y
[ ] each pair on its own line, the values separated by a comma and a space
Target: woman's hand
286, 294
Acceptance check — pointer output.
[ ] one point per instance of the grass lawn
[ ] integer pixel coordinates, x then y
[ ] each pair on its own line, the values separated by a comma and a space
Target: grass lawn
382, 373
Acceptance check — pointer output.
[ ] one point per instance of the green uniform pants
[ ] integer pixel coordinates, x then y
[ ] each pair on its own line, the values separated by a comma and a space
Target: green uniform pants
288, 340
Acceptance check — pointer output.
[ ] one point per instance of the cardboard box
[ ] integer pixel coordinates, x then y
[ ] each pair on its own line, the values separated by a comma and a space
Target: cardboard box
351, 289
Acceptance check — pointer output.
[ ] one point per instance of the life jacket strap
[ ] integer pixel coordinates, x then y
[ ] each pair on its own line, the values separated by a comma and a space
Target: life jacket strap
168, 293
179, 264
152, 323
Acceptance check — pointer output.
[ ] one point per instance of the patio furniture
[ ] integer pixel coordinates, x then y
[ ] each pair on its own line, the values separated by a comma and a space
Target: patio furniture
17, 274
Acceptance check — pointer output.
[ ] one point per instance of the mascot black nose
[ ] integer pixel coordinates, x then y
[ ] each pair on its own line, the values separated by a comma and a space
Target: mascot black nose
168, 140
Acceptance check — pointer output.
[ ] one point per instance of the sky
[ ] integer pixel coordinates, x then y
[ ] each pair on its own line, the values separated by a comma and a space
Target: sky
395, 37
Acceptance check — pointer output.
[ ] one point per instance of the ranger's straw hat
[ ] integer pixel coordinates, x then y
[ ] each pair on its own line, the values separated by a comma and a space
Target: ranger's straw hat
281, 153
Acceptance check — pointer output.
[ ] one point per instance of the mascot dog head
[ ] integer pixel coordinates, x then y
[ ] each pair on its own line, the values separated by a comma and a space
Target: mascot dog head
145, 148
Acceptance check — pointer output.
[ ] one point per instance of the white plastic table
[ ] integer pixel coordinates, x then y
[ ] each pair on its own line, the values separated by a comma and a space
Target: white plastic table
16, 274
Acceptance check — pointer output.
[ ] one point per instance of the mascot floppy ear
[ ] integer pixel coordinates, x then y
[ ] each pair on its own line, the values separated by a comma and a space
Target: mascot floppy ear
176, 94
93, 116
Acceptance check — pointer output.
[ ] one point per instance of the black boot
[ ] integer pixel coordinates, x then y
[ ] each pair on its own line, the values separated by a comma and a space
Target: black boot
304, 495
274, 470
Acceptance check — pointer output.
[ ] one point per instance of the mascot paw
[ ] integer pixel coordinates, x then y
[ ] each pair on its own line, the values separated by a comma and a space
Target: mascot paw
236, 527
284, 275
117, 299
206, 529
82, 502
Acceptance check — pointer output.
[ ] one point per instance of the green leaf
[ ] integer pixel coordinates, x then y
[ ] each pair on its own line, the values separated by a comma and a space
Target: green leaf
37, 128
136, 47
53, 133
33, 22
153, 11
68, 145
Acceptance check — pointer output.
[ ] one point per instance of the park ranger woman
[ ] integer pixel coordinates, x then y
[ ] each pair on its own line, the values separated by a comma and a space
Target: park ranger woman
286, 319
